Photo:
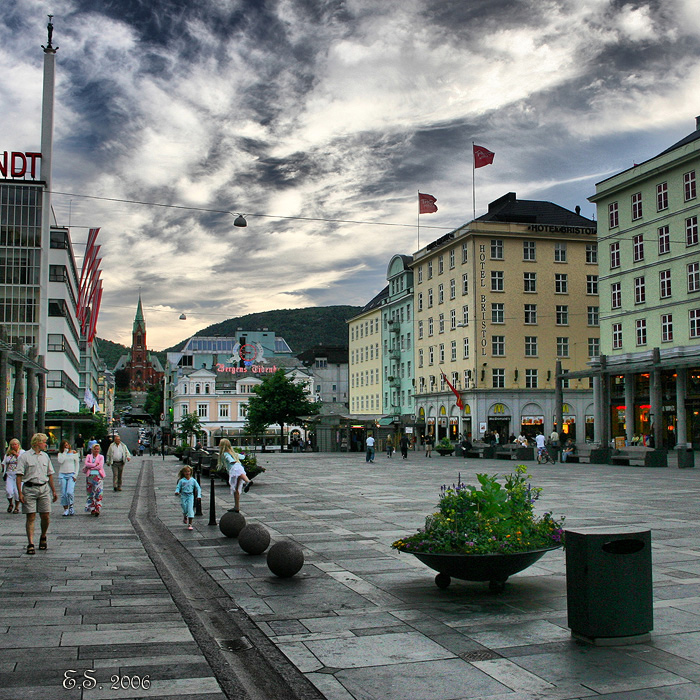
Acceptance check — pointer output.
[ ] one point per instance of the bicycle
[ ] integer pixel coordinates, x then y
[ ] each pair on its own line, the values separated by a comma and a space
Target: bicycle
543, 456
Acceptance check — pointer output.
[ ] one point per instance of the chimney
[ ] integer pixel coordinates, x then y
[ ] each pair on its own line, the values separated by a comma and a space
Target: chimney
697, 123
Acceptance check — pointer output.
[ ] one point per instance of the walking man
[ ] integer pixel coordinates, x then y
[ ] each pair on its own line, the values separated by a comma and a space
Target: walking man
403, 444
117, 455
35, 487
370, 449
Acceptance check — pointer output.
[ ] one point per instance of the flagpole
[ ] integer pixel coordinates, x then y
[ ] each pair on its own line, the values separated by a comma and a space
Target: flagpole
418, 248
473, 183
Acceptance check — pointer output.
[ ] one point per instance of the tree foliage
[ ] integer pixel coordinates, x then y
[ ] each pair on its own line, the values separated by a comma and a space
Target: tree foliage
154, 401
189, 425
278, 400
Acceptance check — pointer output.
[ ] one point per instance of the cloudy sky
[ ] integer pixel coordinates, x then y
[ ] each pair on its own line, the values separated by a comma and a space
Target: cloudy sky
308, 114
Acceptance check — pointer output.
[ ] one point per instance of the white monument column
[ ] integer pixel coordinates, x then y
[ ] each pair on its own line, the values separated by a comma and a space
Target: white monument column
46, 156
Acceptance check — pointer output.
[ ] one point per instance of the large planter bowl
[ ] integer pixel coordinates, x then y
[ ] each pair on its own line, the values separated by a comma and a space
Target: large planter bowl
443, 451
494, 568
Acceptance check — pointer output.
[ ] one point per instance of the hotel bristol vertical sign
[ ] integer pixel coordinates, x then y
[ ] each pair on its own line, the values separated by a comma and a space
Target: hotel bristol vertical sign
482, 298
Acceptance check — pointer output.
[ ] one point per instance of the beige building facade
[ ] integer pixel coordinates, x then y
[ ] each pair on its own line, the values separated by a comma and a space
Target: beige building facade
497, 303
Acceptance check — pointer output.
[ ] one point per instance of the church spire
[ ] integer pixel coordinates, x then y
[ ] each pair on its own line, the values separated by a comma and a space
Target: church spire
139, 320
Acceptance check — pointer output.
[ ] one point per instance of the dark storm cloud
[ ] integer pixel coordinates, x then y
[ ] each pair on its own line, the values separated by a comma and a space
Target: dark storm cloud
328, 109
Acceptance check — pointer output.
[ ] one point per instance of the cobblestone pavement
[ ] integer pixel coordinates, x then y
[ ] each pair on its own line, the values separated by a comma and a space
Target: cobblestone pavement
360, 620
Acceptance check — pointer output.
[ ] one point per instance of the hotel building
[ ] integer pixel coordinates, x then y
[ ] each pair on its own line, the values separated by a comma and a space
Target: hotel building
499, 302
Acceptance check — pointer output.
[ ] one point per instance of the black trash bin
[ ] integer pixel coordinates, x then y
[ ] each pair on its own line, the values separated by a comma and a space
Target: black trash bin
686, 459
608, 586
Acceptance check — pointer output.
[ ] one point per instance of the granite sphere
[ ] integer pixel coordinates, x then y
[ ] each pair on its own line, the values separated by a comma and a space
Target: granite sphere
285, 558
254, 538
231, 523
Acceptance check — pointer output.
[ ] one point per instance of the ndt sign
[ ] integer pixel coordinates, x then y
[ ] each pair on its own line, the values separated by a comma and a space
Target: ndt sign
18, 164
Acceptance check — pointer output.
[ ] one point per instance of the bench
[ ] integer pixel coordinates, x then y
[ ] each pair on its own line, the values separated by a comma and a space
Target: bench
478, 449
513, 451
639, 457
582, 455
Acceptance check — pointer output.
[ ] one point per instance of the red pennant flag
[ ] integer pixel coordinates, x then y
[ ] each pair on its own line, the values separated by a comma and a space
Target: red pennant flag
482, 156
459, 402
426, 204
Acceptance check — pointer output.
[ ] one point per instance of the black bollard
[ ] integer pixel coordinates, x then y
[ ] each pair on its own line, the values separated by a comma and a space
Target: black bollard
198, 479
212, 501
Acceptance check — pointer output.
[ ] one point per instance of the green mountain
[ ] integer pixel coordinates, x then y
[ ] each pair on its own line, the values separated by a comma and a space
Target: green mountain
301, 328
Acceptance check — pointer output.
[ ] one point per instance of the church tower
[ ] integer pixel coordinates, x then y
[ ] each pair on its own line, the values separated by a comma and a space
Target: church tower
140, 365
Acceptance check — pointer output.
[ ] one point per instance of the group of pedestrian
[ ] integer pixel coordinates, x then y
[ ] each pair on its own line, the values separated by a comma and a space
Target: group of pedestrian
29, 479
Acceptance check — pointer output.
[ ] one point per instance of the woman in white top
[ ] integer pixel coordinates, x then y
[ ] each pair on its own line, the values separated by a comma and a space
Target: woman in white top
68, 466
9, 464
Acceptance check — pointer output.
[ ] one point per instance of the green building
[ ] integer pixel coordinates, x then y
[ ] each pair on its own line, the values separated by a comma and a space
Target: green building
648, 372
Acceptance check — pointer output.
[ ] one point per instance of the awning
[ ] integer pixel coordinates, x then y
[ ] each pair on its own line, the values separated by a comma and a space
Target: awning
387, 420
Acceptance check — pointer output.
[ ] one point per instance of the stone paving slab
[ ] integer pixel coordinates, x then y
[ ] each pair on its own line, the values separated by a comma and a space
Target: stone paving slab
363, 621
93, 600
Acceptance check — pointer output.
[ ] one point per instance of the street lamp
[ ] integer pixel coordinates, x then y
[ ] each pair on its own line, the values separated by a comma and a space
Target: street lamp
240, 221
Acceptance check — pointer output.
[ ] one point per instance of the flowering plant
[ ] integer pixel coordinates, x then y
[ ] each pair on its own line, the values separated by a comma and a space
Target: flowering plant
496, 519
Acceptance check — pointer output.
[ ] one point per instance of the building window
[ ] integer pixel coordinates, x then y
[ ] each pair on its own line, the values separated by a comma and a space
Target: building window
564, 382
640, 290
453, 289
560, 252
498, 345
529, 281
430, 270
665, 284
420, 301
441, 323
694, 318
641, 328
224, 410
529, 250
614, 255
430, 326
442, 352
202, 410
662, 196
664, 240
420, 330
691, 230
616, 336
496, 249
531, 379
561, 284
453, 350
431, 355
689, 185
531, 346
562, 315
615, 295
498, 378
666, 328
465, 253
593, 316
694, 277
498, 313
562, 347
613, 215
452, 258
638, 247
465, 283
420, 274
441, 264
496, 280
465, 347
441, 293
453, 319
593, 347
591, 284
530, 314
636, 206
420, 357
592, 253
465, 315
430, 298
